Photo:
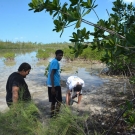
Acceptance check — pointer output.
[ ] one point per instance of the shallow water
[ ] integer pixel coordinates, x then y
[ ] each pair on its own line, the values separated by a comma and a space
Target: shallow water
36, 79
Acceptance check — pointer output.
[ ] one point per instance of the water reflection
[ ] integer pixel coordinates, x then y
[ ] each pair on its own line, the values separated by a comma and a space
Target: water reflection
9, 62
43, 62
15, 51
36, 79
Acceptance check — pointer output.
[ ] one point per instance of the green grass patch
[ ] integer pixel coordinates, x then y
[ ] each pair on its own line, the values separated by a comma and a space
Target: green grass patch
66, 123
25, 118
9, 55
21, 119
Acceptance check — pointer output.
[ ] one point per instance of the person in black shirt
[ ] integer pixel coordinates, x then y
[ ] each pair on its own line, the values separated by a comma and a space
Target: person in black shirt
16, 87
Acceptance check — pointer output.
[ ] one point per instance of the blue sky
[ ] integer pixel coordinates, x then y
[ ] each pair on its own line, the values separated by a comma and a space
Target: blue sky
19, 24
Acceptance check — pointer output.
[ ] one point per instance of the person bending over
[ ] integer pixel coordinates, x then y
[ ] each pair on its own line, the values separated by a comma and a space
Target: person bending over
74, 85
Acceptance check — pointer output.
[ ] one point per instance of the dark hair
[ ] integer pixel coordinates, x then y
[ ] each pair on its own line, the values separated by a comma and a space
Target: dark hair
78, 87
58, 52
24, 66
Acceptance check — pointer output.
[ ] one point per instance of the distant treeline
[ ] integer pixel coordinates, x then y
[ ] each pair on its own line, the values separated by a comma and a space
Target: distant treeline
44, 51
30, 45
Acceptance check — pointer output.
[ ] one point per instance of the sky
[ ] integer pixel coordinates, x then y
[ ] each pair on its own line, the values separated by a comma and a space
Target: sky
18, 24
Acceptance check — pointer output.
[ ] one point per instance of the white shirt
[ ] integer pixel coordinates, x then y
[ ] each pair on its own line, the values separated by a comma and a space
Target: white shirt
72, 82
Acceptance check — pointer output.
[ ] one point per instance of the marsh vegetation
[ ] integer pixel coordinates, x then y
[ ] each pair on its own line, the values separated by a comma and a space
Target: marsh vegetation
115, 49
111, 98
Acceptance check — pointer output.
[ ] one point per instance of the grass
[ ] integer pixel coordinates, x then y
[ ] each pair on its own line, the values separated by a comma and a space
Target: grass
9, 56
43, 54
19, 120
46, 50
25, 118
66, 123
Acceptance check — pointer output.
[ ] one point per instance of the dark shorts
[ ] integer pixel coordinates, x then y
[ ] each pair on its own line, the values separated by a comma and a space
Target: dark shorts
57, 97
9, 104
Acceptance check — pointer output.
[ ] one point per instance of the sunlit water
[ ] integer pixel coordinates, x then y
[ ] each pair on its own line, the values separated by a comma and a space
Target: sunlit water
36, 79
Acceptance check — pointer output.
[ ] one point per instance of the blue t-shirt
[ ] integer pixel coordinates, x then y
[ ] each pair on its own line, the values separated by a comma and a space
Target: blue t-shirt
54, 65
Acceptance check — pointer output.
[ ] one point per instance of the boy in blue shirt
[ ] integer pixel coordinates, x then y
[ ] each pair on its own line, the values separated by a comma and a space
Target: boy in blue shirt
53, 83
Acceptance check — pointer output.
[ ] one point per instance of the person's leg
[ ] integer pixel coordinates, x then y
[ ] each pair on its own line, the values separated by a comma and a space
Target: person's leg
58, 104
79, 98
53, 105
52, 109
58, 98
51, 99
68, 94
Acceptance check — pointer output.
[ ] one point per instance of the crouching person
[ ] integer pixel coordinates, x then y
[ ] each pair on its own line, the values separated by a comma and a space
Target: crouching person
74, 85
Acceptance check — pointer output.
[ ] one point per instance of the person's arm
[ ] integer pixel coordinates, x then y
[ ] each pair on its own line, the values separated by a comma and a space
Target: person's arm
79, 98
52, 80
15, 95
68, 97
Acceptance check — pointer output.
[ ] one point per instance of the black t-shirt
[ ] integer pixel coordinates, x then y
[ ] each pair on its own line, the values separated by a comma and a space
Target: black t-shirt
15, 79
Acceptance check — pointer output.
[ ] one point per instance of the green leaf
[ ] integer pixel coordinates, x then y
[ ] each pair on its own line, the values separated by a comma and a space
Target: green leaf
95, 6
129, 105
115, 9
89, 3
55, 14
130, 38
84, 4
83, 31
73, 40
55, 2
85, 46
78, 24
87, 12
111, 41
56, 22
73, 2
31, 5
35, 2
71, 47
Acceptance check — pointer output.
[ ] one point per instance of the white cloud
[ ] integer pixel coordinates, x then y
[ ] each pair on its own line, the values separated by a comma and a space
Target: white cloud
19, 38
16, 38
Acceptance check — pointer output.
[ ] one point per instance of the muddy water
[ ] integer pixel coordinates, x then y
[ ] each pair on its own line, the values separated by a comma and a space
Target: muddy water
37, 81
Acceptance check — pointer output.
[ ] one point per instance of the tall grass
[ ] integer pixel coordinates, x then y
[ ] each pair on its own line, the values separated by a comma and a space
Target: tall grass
89, 54
21, 119
25, 119
43, 54
66, 123
68, 55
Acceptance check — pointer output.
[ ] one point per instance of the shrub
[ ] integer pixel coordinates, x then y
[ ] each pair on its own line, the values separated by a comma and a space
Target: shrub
9, 56
43, 54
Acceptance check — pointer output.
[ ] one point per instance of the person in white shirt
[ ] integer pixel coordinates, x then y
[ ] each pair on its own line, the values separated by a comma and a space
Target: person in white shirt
74, 85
